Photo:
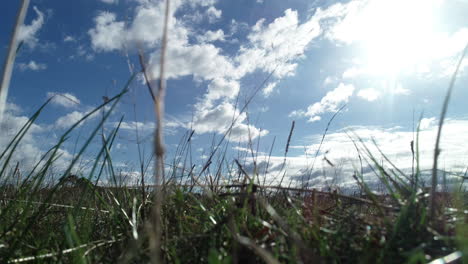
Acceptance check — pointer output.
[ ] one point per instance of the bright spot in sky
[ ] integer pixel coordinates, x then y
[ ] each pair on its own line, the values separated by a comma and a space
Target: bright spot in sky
398, 36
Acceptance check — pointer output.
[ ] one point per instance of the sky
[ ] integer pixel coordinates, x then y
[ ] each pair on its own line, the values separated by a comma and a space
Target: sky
264, 64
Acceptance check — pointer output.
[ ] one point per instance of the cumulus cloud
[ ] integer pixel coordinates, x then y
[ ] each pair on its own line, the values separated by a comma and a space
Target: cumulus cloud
369, 94
222, 88
28, 33
213, 14
203, 61
66, 100
211, 36
270, 48
108, 35
426, 123
32, 145
220, 118
70, 119
394, 142
215, 119
32, 66
329, 103
28, 151
352, 72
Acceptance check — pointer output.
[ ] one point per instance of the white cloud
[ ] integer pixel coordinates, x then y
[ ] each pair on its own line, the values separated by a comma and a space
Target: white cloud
215, 119
369, 94
142, 126
219, 119
399, 89
32, 65
67, 100
235, 27
70, 119
243, 132
108, 35
28, 151
394, 142
27, 33
204, 61
275, 47
352, 72
14, 109
329, 80
213, 14
211, 36
82, 52
264, 109
427, 123
269, 89
30, 148
146, 129
329, 103
110, 1
69, 39
222, 88
202, 3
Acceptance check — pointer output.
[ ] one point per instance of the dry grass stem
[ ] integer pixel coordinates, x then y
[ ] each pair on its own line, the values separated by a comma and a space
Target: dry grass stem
10, 59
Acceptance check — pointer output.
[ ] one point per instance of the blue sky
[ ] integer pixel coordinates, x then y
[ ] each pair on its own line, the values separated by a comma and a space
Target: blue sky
384, 59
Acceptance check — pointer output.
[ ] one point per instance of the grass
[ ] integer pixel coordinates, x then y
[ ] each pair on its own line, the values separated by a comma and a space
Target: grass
75, 220
85, 223
191, 216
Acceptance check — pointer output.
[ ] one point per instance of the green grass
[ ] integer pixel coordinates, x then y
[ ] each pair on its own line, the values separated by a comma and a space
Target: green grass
78, 221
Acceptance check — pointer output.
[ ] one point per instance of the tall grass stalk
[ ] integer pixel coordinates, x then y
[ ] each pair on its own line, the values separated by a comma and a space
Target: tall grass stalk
439, 134
158, 100
10, 58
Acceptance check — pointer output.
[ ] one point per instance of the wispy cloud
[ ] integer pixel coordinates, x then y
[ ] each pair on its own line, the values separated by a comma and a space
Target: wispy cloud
32, 66
369, 94
28, 33
110, 1
269, 89
69, 39
329, 103
67, 100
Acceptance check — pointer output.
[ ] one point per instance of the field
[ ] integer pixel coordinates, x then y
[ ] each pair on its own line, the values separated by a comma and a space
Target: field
82, 223
75, 220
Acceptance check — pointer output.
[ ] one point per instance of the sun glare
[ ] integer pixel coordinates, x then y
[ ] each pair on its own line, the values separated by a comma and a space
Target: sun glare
397, 36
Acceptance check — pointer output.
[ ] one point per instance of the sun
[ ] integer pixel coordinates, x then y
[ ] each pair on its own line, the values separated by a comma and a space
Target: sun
396, 36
